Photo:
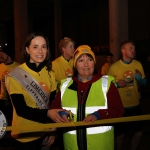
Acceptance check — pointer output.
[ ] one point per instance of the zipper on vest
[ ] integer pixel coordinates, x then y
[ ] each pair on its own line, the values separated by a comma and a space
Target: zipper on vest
81, 131
82, 96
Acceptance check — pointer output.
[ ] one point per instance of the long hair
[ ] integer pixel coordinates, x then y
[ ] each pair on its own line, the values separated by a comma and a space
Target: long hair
27, 43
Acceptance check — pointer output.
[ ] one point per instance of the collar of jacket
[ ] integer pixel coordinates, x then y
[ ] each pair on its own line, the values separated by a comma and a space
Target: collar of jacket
35, 68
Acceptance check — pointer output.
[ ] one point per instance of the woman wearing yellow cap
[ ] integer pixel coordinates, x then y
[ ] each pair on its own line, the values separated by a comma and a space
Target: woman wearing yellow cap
90, 97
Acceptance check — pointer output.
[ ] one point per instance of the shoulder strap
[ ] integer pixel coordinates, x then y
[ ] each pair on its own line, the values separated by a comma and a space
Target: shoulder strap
35, 90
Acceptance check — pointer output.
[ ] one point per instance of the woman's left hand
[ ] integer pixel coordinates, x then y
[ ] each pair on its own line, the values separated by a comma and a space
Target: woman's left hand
90, 118
50, 140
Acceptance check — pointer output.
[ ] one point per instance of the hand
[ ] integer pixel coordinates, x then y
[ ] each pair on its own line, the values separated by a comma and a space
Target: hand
90, 118
53, 114
49, 140
65, 118
122, 83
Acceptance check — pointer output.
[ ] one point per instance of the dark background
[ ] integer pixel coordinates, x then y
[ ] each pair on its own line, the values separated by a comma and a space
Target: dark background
85, 21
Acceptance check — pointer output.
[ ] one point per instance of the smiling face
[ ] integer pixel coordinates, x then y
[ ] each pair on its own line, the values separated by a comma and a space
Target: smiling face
85, 66
37, 50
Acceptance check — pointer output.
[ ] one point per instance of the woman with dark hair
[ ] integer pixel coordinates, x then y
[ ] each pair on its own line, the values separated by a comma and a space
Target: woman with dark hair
47, 62
30, 86
90, 97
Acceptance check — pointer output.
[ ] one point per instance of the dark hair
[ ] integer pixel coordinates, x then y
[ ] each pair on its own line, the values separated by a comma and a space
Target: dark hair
109, 54
125, 42
27, 43
7, 50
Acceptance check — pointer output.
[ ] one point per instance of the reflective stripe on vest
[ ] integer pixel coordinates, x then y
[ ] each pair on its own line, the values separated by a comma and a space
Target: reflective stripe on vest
89, 110
92, 130
104, 89
64, 86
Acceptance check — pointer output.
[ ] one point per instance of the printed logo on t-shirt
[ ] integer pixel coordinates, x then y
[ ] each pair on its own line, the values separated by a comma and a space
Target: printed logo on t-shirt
128, 77
45, 87
68, 73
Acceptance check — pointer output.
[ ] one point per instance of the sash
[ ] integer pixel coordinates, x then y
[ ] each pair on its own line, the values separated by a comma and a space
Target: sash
35, 90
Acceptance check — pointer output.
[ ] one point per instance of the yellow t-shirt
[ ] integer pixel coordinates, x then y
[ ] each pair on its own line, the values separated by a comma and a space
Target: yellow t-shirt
105, 69
62, 68
48, 84
119, 70
4, 70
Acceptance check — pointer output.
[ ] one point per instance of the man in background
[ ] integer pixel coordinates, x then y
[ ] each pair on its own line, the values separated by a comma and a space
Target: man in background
63, 65
129, 74
109, 61
63, 68
6, 65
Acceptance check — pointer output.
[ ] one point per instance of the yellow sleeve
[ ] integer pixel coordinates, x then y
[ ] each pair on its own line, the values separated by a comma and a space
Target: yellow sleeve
13, 86
110, 71
54, 67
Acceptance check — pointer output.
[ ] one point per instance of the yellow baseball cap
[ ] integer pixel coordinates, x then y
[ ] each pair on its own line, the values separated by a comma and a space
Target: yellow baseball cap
83, 49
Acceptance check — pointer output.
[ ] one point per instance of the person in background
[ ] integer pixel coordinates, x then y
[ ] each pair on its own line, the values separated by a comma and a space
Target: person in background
6, 65
109, 61
90, 97
30, 86
129, 74
63, 65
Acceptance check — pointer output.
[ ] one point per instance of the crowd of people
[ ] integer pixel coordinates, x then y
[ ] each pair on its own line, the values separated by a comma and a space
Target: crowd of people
68, 89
